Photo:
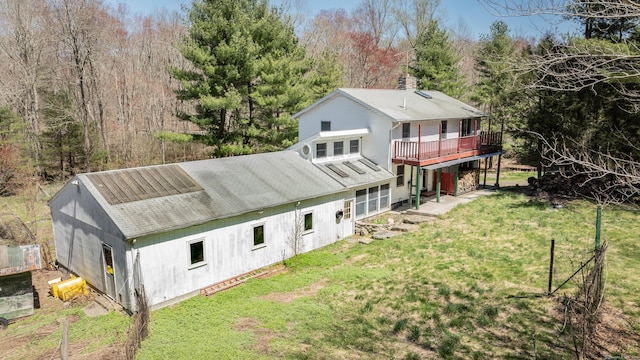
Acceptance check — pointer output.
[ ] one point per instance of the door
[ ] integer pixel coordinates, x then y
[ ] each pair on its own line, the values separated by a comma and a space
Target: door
109, 271
447, 185
347, 219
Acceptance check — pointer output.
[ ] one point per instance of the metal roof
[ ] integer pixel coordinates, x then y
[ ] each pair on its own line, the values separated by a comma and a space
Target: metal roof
405, 105
119, 187
16, 259
359, 172
212, 189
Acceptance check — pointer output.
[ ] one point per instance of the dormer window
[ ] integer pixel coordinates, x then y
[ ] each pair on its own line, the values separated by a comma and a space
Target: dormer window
338, 148
354, 146
325, 125
321, 150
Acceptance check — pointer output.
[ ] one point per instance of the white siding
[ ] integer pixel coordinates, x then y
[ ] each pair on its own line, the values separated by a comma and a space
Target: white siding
229, 250
343, 113
80, 227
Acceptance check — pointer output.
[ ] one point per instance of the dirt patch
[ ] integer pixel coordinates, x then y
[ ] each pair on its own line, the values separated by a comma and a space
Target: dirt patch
289, 297
263, 336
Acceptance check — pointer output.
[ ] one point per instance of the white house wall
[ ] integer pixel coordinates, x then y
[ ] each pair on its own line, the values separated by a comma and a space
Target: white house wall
346, 114
228, 247
80, 229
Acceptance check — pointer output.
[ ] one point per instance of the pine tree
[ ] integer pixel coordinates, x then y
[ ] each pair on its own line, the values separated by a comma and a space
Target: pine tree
248, 76
436, 62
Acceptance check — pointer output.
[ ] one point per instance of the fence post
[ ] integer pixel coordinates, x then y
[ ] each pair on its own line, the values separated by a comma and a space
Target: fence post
64, 343
598, 226
553, 244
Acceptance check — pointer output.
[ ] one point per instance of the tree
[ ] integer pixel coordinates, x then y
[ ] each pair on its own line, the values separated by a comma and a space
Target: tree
24, 46
11, 136
62, 138
436, 65
414, 16
602, 71
246, 76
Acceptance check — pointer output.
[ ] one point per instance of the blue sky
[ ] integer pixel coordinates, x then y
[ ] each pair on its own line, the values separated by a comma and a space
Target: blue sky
469, 12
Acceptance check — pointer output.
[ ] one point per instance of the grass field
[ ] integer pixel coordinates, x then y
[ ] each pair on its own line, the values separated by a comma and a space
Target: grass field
459, 288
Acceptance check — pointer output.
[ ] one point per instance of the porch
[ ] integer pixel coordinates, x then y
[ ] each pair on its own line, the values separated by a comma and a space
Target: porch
418, 153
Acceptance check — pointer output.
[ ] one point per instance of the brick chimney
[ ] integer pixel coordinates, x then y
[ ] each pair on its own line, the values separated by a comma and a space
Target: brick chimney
407, 82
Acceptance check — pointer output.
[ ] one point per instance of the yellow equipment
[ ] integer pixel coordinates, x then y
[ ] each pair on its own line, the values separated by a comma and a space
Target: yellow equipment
68, 289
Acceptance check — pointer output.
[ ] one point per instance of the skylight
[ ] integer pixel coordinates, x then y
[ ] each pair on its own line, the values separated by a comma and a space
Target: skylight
423, 94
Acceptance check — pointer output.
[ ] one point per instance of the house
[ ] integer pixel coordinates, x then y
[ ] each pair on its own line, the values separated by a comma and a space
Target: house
179, 228
432, 142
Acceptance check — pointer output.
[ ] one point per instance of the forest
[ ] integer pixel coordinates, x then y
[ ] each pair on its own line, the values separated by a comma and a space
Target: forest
86, 87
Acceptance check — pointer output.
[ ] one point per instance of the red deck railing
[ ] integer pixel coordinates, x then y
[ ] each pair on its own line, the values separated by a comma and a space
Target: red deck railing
418, 151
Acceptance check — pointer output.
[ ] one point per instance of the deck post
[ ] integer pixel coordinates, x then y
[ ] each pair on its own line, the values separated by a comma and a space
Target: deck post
418, 177
455, 191
410, 184
438, 185
486, 164
498, 171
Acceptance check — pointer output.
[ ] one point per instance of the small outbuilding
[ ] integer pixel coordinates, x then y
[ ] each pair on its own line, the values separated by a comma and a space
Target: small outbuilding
182, 227
17, 296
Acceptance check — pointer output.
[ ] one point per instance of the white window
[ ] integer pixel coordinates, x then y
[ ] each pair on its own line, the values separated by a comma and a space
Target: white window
308, 222
196, 253
384, 196
361, 202
321, 150
258, 236
400, 176
373, 199
354, 146
338, 148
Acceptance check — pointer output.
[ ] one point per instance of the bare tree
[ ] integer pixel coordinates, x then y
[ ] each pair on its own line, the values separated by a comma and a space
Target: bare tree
23, 44
602, 67
414, 17
574, 65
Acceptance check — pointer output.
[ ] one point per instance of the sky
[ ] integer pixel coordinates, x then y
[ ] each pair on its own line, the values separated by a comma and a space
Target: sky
474, 17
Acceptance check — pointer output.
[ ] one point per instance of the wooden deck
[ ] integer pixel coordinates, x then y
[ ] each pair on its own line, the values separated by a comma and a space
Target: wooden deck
432, 152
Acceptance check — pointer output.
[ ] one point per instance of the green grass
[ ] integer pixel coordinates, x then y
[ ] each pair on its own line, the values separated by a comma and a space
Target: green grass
445, 291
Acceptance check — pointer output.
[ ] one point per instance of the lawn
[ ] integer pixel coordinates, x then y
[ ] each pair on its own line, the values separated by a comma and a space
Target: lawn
461, 287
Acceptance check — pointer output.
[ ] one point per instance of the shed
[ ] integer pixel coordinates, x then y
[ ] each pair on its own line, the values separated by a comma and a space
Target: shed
16, 288
179, 228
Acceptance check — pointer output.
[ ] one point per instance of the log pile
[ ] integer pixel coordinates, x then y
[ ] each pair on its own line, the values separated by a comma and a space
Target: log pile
468, 181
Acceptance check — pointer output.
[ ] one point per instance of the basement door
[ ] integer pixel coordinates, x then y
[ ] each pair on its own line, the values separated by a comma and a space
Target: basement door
110, 283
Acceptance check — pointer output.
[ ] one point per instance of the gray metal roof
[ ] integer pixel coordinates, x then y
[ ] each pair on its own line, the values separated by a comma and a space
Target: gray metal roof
217, 188
405, 105
355, 172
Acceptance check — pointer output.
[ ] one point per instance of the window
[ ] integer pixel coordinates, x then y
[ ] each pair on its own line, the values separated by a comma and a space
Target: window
467, 127
373, 199
325, 125
347, 209
196, 252
384, 196
321, 150
308, 222
443, 129
406, 130
258, 235
338, 148
354, 146
400, 176
361, 202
